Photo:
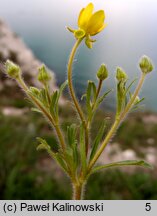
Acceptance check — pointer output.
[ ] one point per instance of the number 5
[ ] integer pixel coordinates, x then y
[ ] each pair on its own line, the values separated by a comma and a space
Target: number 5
148, 207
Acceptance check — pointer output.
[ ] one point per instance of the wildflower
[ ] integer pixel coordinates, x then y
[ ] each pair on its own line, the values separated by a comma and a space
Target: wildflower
89, 24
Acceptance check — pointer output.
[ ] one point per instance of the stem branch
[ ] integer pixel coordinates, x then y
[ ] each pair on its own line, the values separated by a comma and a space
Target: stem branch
47, 114
72, 92
117, 123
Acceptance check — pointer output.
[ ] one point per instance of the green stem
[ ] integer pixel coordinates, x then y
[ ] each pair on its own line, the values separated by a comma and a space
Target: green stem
99, 88
72, 92
47, 114
94, 103
78, 191
130, 103
117, 123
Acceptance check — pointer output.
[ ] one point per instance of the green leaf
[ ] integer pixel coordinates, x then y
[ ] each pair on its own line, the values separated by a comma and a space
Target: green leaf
137, 103
71, 131
72, 142
55, 99
141, 163
62, 87
130, 85
35, 110
88, 97
83, 96
83, 149
75, 156
61, 161
57, 156
100, 99
43, 144
43, 97
98, 139
54, 104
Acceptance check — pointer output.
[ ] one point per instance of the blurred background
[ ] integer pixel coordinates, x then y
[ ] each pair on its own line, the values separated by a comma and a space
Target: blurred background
33, 32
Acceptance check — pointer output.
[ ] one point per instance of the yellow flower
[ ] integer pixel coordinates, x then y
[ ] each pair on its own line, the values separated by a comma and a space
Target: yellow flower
91, 23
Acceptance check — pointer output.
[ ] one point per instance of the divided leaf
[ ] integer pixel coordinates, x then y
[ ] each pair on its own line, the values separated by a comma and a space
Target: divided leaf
98, 139
90, 96
141, 163
100, 99
55, 99
83, 149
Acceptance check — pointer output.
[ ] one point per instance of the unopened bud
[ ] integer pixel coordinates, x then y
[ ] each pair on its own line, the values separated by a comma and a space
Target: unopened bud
43, 75
146, 64
35, 90
121, 75
12, 69
102, 73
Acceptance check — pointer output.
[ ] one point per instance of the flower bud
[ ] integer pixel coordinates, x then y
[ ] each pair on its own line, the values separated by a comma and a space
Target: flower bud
121, 75
146, 64
35, 91
12, 69
43, 75
102, 73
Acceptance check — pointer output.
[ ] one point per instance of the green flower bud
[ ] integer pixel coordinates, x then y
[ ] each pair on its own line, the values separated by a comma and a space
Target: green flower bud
43, 75
12, 69
35, 91
121, 75
102, 73
146, 64
80, 33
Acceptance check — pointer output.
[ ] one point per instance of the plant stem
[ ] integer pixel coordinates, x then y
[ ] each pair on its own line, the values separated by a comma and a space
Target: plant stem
47, 114
94, 103
78, 191
99, 88
130, 103
117, 123
72, 92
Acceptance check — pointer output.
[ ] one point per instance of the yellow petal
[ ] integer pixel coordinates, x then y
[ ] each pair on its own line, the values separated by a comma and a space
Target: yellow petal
94, 33
85, 16
96, 22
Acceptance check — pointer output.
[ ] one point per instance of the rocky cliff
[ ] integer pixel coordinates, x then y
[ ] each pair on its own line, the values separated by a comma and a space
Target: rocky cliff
12, 47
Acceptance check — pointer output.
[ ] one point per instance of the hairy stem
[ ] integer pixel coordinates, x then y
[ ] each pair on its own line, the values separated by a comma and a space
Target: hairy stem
99, 88
46, 113
72, 92
78, 191
117, 122
94, 103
